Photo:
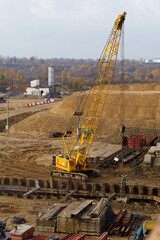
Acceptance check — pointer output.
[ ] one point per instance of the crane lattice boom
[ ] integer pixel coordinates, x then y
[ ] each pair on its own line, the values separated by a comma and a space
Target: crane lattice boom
77, 153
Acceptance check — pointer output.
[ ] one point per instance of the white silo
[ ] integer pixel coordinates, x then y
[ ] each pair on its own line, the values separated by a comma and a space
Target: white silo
50, 76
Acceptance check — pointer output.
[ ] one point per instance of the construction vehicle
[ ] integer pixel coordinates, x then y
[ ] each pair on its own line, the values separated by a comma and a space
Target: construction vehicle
148, 225
139, 234
2, 100
74, 161
2, 229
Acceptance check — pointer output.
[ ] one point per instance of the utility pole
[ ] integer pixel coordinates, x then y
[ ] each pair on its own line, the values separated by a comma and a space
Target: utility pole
122, 127
78, 113
39, 100
7, 125
79, 120
62, 82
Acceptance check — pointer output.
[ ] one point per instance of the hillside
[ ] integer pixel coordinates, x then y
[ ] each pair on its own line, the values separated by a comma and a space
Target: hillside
139, 102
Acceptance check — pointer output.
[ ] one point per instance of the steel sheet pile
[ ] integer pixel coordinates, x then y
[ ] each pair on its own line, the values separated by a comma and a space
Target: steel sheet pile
47, 222
123, 223
87, 218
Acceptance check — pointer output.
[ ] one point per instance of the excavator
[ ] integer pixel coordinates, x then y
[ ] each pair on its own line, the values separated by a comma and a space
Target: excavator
74, 162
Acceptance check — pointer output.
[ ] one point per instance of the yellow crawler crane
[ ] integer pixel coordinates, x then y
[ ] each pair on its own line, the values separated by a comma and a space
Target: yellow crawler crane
77, 164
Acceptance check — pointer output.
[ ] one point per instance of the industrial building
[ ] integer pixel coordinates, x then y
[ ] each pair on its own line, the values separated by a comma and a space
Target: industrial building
152, 61
36, 89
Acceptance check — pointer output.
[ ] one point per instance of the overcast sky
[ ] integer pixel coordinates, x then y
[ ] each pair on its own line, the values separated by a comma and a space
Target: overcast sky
77, 28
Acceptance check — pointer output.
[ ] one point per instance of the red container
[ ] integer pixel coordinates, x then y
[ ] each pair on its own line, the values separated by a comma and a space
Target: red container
137, 141
23, 232
116, 230
67, 237
126, 219
41, 237
104, 236
119, 217
74, 237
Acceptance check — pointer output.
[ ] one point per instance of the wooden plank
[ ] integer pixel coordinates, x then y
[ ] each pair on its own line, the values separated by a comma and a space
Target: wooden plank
32, 191
81, 208
156, 199
70, 194
99, 208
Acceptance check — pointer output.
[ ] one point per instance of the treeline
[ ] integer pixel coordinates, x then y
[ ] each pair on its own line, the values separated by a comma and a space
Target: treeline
73, 74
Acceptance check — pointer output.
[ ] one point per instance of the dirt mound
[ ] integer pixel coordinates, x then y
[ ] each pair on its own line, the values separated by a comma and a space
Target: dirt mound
141, 109
14, 94
136, 87
119, 87
142, 87
55, 119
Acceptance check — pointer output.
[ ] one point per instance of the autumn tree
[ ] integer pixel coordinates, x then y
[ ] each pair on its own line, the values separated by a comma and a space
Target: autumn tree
78, 83
73, 70
148, 72
2, 80
19, 76
11, 75
64, 77
83, 67
32, 68
156, 73
44, 74
138, 74
150, 76
69, 80
6, 75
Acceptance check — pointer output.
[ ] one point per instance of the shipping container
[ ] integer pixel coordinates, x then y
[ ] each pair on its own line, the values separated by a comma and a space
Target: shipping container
137, 141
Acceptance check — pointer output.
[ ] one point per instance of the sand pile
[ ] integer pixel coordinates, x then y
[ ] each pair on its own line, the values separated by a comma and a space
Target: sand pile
136, 87
141, 110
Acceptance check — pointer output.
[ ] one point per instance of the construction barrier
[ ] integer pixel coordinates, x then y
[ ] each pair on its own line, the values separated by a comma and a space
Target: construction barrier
49, 100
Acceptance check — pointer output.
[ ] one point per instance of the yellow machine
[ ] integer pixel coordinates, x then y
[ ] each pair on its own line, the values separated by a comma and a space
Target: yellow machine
74, 156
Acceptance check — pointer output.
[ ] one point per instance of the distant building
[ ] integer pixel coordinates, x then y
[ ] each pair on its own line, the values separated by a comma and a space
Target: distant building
152, 61
34, 83
50, 76
36, 91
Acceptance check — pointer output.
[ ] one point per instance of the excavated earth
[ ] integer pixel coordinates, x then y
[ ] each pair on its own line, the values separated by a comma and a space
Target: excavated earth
27, 150
137, 106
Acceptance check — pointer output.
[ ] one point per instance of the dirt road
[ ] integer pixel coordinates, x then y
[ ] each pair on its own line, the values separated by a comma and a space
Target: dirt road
19, 105
26, 157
